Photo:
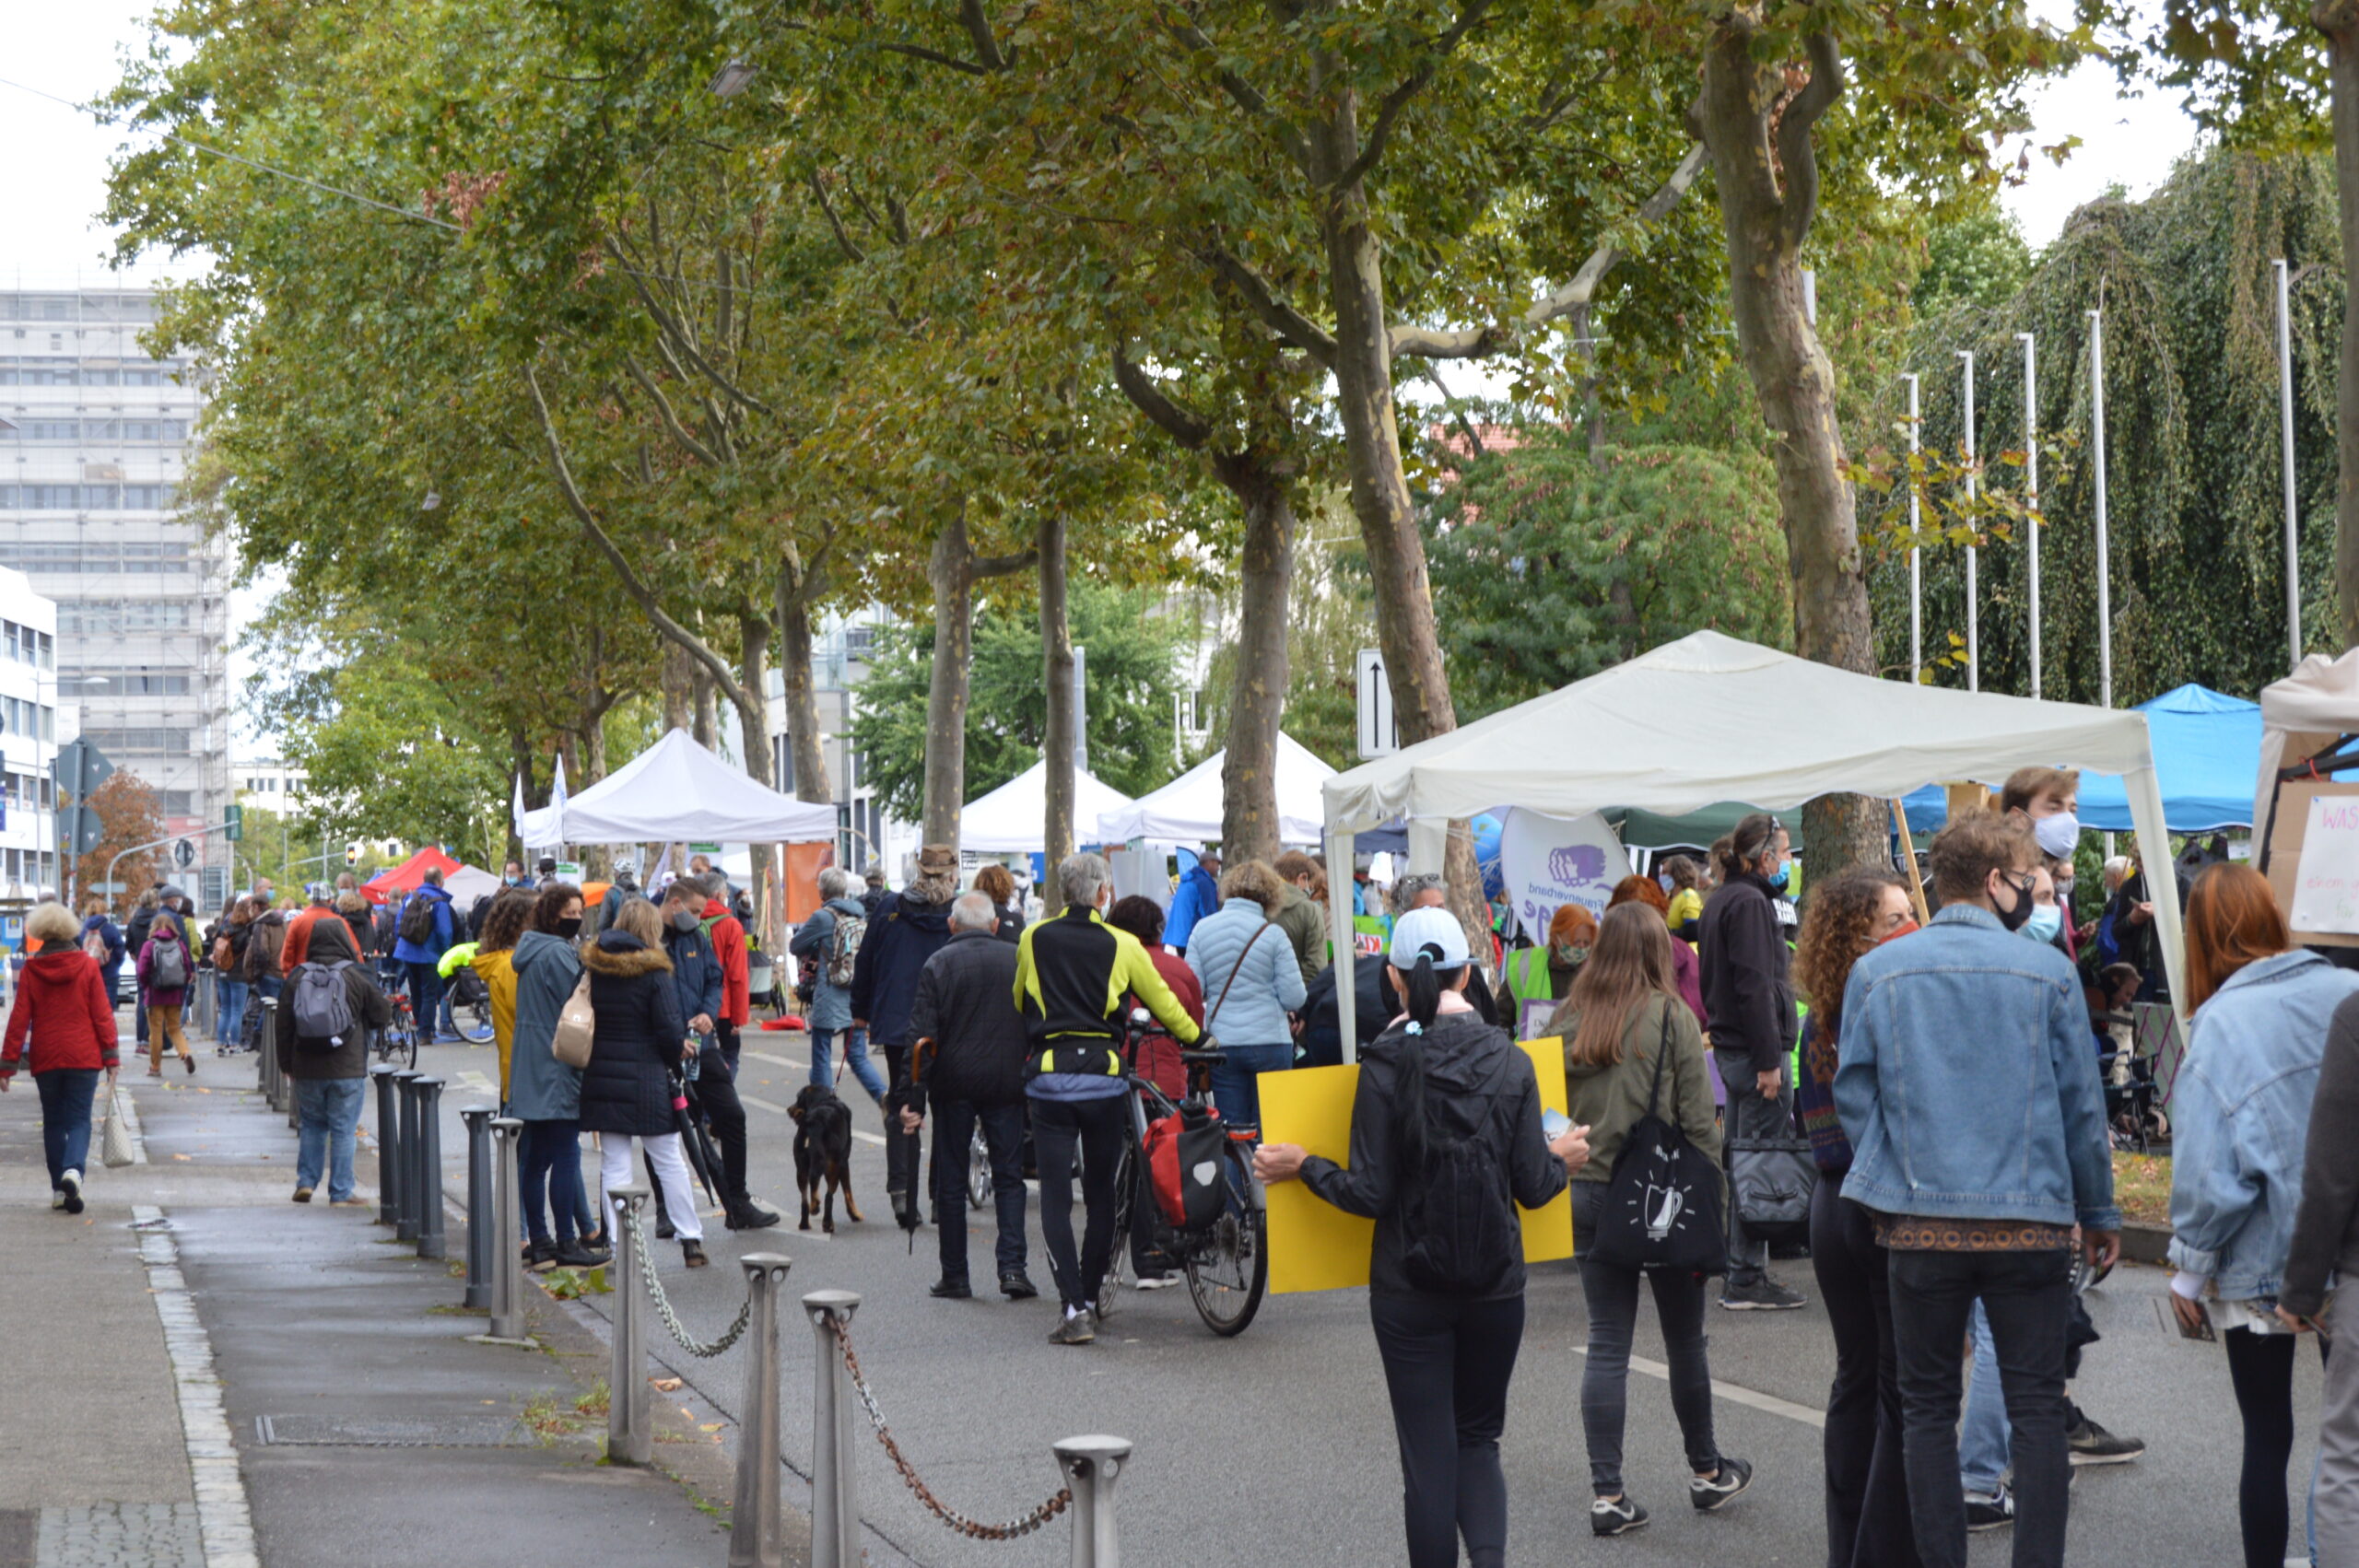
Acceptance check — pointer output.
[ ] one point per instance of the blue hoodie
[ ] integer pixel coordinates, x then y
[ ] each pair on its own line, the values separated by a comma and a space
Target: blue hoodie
418, 952
1197, 895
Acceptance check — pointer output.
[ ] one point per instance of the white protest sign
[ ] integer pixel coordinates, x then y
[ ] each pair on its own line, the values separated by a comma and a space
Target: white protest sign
2326, 878
1549, 861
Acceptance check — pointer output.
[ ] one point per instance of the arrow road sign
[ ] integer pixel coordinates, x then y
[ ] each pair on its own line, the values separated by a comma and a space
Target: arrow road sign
1380, 735
183, 854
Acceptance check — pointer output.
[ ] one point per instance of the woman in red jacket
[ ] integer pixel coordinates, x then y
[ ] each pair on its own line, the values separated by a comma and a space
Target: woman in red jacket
62, 1004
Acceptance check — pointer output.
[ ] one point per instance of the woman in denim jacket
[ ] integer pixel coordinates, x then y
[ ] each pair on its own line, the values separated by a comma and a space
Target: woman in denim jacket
2241, 1116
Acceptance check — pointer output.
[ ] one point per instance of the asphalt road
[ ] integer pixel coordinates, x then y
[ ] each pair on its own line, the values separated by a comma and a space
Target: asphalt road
1277, 1447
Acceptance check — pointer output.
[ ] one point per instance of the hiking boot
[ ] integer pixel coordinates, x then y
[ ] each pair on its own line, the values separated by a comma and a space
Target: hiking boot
1994, 1512
692, 1253
1614, 1516
948, 1289
540, 1257
1017, 1286
747, 1216
664, 1231
1763, 1295
1076, 1329
573, 1255
69, 1186
302, 1194
1710, 1494
2093, 1444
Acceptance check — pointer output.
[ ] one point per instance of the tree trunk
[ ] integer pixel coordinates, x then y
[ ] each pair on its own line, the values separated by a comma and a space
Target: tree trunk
754, 633
707, 727
1766, 211
1249, 819
678, 686
804, 740
1056, 674
2339, 20
950, 569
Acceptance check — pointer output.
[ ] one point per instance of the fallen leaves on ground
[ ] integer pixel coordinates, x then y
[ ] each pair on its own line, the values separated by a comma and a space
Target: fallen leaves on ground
665, 1385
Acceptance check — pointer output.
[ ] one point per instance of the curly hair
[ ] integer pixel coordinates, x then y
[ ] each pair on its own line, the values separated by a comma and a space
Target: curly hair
508, 918
1838, 928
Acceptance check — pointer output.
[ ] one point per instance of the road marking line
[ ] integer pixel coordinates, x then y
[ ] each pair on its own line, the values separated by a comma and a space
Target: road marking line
762, 1104
779, 1060
1733, 1393
868, 1137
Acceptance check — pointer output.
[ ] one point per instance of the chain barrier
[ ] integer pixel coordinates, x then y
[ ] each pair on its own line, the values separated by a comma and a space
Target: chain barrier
688, 1341
972, 1528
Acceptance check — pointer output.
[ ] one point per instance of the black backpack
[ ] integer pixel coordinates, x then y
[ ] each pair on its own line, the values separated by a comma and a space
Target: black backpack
1663, 1203
418, 921
1456, 1208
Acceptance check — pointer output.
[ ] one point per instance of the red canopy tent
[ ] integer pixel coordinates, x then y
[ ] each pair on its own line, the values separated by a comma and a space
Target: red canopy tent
407, 876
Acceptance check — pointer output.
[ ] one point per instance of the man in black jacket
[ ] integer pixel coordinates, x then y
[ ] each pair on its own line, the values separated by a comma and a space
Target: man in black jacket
908, 929
695, 976
969, 1058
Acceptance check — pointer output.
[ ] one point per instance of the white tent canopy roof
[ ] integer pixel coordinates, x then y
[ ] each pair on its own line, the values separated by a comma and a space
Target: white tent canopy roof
1012, 819
2302, 714
677, 791
1188, 810
1709, 719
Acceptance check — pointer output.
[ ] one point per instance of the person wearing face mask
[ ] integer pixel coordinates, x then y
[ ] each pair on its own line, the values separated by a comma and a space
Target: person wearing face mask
2049, 798
1749, 1003
1544, 974
697, 978
544, 1091
1967, 1090
1867, 1488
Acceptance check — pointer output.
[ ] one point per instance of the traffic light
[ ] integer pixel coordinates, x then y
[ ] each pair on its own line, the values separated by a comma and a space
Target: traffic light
352, 854
233, 823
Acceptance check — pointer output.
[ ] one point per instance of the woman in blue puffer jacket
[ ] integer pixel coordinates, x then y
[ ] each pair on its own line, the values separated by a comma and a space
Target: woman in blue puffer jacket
1251, 982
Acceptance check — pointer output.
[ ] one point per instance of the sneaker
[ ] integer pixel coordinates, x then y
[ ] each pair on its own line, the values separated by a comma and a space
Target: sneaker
692, 1254
57, 1199
1710, 1494
540, 1257
70, 1185
573, 1255
2093, 1444
350, 1203
1017, 1286
302, 1194
947, 1288
1991, 1512
189, 1063
1763, 1295
1075, 1329
1162, 1282
1614, 1516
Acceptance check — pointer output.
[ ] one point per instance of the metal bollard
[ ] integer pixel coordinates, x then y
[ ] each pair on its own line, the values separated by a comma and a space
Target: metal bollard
1090, 1466
508, 1266
432, 1234
273, 1077
406, 1095
630, 1433
755, 1518
389, 1147
479, 1237
835, 1495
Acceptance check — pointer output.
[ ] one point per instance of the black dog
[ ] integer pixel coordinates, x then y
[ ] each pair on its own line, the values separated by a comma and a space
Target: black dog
821, 1153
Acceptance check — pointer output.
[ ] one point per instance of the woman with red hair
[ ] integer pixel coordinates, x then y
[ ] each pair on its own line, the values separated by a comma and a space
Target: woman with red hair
1687, 974
2240, 1110
1546, 974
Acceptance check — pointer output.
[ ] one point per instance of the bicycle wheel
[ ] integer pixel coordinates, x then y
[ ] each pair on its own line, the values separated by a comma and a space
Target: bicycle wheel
474, 1019
1229, 1266
979, 1172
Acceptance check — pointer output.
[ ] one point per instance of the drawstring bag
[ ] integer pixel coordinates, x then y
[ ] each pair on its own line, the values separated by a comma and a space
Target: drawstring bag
1663, 1203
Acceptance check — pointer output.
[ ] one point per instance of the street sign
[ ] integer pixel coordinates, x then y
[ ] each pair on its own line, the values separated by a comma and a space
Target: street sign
1380, 735
109, 887
78, 768
233, 823
704, 849
183, 854
80, 828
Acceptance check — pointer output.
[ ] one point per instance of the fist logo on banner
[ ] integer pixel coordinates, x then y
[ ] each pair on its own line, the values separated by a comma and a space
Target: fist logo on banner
1550, 861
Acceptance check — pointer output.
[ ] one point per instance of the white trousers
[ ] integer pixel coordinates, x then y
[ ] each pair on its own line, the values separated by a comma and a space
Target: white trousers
671, 1172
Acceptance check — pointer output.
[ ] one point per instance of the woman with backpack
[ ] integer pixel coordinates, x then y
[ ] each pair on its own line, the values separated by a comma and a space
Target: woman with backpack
1633, 1051
165, 970
103, 940
1446, 1142
323, 1022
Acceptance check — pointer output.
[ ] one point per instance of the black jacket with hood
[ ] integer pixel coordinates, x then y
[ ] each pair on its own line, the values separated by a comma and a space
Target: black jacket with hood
1748, 992
1479, 1086
332, 942
635, 1047
910, 929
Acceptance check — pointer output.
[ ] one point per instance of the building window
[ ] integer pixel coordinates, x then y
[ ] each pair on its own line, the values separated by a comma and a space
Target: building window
169, 742
175, 802
115, 617
86, 497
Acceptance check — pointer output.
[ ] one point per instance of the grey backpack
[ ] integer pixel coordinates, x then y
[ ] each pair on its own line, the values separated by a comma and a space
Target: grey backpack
322, 1003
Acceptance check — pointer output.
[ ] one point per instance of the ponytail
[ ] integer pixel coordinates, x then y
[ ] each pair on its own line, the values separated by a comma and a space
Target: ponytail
1424, 995
1746, 843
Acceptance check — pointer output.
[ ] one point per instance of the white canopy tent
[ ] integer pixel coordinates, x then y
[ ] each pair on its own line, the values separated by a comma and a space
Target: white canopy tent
1012, 819
1709, 719
1188, 810
676, 790
2302, 715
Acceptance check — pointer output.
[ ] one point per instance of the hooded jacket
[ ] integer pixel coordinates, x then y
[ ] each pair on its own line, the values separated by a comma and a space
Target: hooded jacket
1304, 920
135, 928
830, 1005
1610, 1097
1196, 896
635, 1050
425, 951
966, 1005
150, 994
117, 949
728, 935
696, 969
540, 1087
62, 1003
332, 942
910, 929
1748, 992
265, 939
1479, 1084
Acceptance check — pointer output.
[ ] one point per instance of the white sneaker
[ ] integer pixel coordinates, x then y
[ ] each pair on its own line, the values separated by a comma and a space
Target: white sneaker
57, 1199
1160, 1281
71, 1182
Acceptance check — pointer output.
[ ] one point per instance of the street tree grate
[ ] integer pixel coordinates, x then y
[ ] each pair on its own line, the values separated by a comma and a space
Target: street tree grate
332, 1431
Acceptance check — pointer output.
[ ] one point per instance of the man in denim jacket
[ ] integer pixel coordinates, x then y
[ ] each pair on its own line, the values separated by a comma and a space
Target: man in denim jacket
1970, 1095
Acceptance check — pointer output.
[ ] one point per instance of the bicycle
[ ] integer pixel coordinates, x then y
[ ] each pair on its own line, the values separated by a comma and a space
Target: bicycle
1228, 1262
471, 1005
397, 1042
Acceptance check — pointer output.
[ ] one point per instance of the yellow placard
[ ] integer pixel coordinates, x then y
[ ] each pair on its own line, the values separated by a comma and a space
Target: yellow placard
1316, 1247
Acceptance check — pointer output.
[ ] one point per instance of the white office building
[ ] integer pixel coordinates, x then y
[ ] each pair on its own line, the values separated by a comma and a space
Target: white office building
30, 732
94, 447
269, 784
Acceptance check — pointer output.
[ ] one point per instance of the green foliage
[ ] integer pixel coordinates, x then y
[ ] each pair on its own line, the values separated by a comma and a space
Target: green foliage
1548, 566
2194, 483
1978, 259
1129, 675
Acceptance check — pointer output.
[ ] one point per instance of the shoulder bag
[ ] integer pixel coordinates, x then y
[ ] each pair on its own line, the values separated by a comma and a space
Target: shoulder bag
1663, 1203
576, 1027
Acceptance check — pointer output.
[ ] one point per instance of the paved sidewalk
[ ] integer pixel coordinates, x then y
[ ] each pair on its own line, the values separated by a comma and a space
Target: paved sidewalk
325, 1387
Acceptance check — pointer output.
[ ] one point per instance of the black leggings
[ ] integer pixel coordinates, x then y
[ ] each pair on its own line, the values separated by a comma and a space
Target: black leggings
2260, 1369
1094, 1128
1447, 1364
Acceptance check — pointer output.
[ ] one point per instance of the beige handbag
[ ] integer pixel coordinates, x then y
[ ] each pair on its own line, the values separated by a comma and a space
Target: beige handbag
114, 1143
576, 1027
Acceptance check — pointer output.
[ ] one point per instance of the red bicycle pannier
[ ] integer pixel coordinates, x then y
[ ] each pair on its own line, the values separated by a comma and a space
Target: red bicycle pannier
1186, 1164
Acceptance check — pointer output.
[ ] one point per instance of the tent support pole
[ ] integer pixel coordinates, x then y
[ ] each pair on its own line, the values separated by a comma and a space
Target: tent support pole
2145, 794
1909, 859
1339, 926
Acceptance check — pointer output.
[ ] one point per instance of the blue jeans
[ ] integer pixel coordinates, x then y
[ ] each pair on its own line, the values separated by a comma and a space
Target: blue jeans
424, 997
231, 1013
953, 1135
855, 1057
329, 1112
1232, 1087
1984, 1438
66, 1095
551, 1177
